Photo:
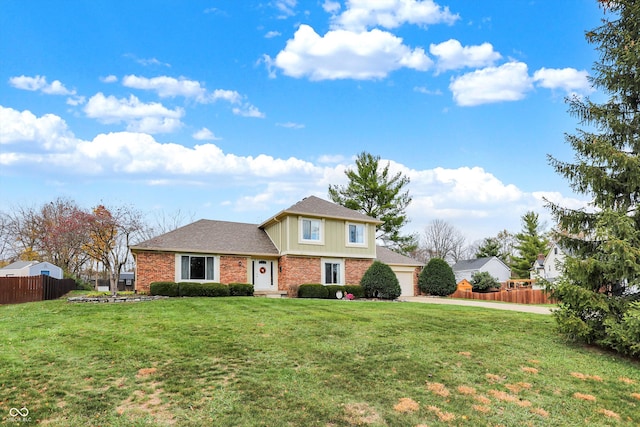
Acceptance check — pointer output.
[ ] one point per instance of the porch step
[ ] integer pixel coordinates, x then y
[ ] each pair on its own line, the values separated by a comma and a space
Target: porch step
270, 294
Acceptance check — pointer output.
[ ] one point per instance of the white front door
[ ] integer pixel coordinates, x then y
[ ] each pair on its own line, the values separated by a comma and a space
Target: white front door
263, 275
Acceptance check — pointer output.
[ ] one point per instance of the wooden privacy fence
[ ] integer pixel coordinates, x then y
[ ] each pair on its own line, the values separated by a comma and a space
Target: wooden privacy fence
517, 296
15, 290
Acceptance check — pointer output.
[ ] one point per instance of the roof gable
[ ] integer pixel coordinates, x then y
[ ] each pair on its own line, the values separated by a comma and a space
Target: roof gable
317, 207
475, 264
19, 265
209, 236
389, 257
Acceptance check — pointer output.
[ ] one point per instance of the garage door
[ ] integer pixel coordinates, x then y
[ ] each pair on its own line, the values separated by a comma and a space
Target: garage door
406, 282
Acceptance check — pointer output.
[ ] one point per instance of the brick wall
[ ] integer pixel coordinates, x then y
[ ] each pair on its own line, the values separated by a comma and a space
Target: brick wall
233, 269
355, 269
416, 275
154, 267
298, 270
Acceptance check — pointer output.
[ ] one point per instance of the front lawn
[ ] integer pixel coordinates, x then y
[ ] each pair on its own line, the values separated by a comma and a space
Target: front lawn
292, 362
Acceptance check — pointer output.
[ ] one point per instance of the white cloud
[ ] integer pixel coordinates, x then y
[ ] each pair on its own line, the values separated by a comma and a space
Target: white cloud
285, 6
452, 55
331, 6
140, 153
272, 34
49, 131
167, 86
568, 79
147, 61
76, 100
290, 125
508, 82
347, 55
227, 95
427, 91
248, 110
39, 83
139, 117
362, 14
109, 79
205, 134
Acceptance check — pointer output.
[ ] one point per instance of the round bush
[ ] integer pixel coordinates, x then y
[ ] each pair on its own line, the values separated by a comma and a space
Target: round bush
312, 290
437, 278
379, 281
241, 289
166, 289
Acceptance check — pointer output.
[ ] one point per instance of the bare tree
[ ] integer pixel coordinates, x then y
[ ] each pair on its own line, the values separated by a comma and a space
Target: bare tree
164, 223
442, 240
112, 231
22, 228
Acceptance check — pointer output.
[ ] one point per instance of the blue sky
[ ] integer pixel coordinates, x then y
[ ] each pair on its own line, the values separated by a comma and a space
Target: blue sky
234, 110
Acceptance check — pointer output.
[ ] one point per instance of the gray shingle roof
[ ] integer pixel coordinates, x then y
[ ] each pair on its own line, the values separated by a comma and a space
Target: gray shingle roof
19, 265
317, 207
390, 257
470, 264
208, 236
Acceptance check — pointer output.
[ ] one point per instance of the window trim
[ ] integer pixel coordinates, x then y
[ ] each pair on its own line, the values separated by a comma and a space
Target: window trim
341, 270
216, 267
301, 238
364, 234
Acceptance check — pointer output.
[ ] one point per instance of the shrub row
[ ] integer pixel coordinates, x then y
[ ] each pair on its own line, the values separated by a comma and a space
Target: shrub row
317, 290
194, 289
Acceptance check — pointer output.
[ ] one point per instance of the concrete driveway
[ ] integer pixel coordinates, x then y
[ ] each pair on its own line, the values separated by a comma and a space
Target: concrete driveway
524, 308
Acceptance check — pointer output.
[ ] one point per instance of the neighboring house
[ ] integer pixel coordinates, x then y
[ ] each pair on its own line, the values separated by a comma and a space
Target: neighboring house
31, 268
464, 270
313, 241
549, 267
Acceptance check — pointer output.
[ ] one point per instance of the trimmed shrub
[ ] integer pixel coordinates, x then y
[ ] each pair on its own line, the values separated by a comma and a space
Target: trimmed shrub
216, 290
356, 290
312, 290
166, 289
437, 278
191, 289
195, 289
241, 289
482, 281
379, 281
333, 289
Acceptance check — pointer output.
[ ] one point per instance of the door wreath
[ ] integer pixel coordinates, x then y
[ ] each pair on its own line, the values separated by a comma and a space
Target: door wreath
263, 270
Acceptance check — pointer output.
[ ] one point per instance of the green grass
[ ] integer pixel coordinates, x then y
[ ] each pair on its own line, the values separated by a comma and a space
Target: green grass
293, 362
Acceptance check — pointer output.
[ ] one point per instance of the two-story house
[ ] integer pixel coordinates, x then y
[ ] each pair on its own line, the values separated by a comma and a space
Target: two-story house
548, 267
313, 241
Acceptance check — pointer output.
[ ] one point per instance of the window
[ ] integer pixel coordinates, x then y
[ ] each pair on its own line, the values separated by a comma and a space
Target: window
333, 271
355, 234
311, 230
197, 268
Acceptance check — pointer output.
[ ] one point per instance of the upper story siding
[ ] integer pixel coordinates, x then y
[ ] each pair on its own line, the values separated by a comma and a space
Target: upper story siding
286, 234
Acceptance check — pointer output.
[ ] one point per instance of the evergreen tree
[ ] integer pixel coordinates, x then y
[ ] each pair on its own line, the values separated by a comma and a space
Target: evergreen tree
437, 278
603, 270
373, 191
489, 247
530, 244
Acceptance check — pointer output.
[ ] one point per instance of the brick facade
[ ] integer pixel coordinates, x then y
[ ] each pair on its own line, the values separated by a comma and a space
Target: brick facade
298, 270
233, 269
154, 267
355, 269
293, 270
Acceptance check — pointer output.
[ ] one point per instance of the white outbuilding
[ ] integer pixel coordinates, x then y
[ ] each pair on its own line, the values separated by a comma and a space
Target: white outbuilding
31, 268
